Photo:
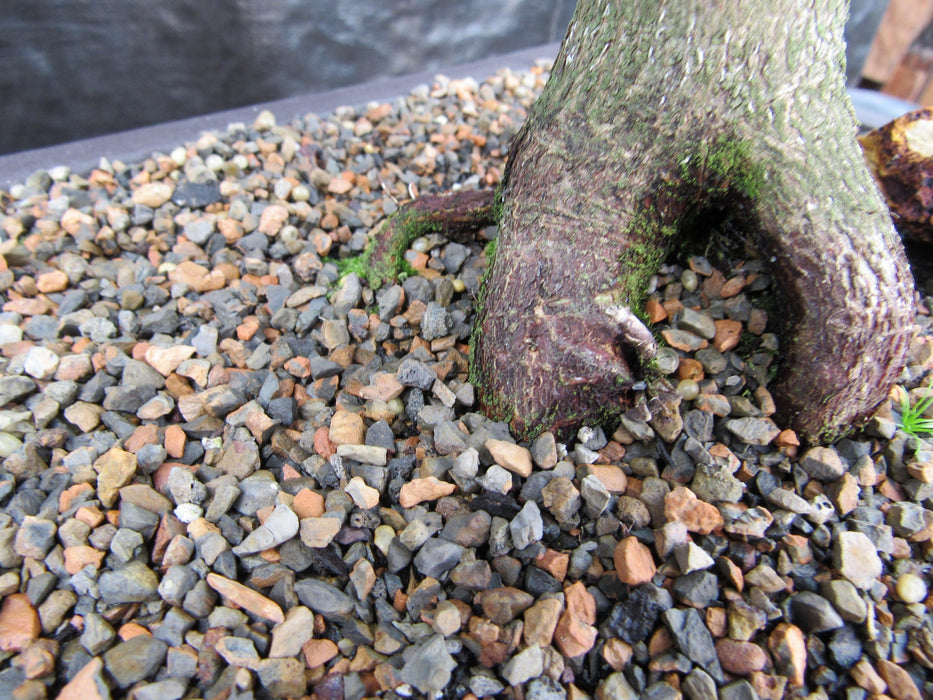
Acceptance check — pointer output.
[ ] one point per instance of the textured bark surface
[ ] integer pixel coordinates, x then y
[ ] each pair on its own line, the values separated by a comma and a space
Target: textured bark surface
659, 116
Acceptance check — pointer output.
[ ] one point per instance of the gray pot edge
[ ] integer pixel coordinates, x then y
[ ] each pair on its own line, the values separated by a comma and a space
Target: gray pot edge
134, 145
872, 109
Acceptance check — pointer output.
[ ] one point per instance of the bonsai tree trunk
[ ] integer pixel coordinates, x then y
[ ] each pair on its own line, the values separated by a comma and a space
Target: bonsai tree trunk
659, 118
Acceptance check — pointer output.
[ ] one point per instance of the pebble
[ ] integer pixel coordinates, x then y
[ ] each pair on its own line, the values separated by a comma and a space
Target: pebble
246, 598
133, 582
527, 527
575, 634
515, 458
87, 684
347, 428
691, 557
682, 505
19, 623
813, 613
428, 669
40, 363
633, 561
135, 659
754, 431
278, 528
694, 640
911, 588
856, 558
527, 664
696, 322
900, 684
741, 658
323, 598
427, 489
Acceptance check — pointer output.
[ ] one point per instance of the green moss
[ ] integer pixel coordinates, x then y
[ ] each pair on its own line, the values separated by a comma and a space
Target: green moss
747, 346
723, 167
478, 307
731, 163
640, 261
358, 264
499, 202
490, 252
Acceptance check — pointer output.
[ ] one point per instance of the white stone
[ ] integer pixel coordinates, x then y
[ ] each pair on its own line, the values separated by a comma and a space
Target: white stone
188, 512
382, 537
855, 557
496, 479
10, 333
279, 527
691, 557
527, 664
911, 588
367, 454
40, 363
363, 495
8, 445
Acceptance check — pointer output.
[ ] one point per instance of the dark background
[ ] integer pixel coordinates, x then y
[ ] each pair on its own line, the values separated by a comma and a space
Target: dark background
71, 69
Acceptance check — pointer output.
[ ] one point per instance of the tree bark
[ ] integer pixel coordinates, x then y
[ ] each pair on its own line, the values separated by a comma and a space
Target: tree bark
658, 116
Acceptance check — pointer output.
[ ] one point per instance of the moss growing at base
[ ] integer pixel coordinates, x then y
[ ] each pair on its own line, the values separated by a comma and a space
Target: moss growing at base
391, 265
358, 264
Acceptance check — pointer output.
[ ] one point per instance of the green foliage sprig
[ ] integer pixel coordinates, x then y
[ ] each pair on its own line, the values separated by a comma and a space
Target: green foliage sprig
913, 421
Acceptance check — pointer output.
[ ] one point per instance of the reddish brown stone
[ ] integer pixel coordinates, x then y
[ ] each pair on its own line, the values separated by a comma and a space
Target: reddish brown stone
617, 653
555, 563
575, 634
683, 505
900, 684
169, 528
732, 286
655, 311
789, 650
728, 333
175, 440
322, 443
633, 561
741, 658
308, 504
866, 677
19, 623
541, 620
318, 652
71, 494
427, 489
79, 556
87, 684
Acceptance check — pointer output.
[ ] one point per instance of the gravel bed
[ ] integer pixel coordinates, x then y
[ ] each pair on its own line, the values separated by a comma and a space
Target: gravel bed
230, 469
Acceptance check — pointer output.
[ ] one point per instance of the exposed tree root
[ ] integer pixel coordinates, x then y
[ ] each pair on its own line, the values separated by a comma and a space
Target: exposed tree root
457, 215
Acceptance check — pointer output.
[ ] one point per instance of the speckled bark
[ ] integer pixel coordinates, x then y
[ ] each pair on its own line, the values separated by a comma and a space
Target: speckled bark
658, 114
